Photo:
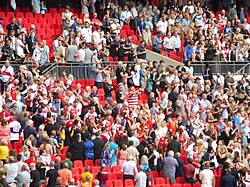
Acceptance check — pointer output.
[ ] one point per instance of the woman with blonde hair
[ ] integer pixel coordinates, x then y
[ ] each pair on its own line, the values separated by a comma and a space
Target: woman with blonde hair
144, 163
25, 152
4, 150
29, 142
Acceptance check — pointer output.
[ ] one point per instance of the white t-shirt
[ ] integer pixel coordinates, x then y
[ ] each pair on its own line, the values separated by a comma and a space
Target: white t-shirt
7, 73
141, 179
87, 33
206, 176
162, 26
19, 48
36, 54
14, 130
12, 170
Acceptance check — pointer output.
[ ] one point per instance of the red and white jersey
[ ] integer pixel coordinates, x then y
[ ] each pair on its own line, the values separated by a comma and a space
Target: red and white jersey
12, 88
7, 72
14, 130
73, 111
133, 98
91, 117
29, 99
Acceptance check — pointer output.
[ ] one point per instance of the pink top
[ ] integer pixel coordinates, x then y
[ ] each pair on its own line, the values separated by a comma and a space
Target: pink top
5, 133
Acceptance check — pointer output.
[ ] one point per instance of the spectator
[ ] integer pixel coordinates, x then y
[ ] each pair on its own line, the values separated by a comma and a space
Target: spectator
140, 178
102, 176
51, 175
206, 176
34, 176
146, 36
85, 174
169, 167
129, 168
141, 51
157, 42
23, 178
11, 170
232, 12
65, 174
35, 6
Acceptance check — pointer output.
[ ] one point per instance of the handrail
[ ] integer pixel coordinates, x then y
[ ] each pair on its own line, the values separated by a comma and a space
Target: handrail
241, 69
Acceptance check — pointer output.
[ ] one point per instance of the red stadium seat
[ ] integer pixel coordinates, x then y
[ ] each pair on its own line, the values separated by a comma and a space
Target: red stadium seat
180, 180
2, 14
130, 32
25, 9
97, 162
95, 169
112, 176
109, 183
42, 21
56, 15
61, 10
38, 15
18, 145
78, 164
90, 82
53, 10
118, 183
187, 185
128, 183
81, 170
75, 171
155, 174
19, 15
159, 180
197, 185
10, 14
176, 185
123, 32
126, 27
88, 163
29, 15
116, 169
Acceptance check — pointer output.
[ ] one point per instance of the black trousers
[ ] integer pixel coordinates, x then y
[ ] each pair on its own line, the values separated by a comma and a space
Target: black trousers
128, 177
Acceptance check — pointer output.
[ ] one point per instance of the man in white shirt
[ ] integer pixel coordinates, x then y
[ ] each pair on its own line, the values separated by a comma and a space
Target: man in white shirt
176, 41
87, 32
167, 43
162, 25
125, 16
15, 128
129, 168
141, 178
207, 176
7, 72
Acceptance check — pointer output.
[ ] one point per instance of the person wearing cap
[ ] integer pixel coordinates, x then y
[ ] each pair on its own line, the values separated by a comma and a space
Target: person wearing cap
207, 176
140, 178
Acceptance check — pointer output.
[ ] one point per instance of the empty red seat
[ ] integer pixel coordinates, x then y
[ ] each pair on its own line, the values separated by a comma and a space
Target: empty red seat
116, 169
176, 185
78, 164
90, 82
109, 183
25, 9
187, 185
19, 15
18, 145
61, 10
88, 163
128, 183
112, 176
123, 32
38, 15
159, 180
2, 14
130, 32
197, 185
56, 15
180, 180
95, 169
48, 15
118, 183
42, 21
75, 171
97, 162
126, 27
29, 15
53, 10
10, 14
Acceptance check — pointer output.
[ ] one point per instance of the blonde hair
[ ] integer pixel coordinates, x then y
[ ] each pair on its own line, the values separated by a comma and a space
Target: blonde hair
144, 159
25, 150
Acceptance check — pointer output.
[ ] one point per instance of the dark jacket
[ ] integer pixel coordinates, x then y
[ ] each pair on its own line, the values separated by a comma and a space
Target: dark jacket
98, 147
174, 146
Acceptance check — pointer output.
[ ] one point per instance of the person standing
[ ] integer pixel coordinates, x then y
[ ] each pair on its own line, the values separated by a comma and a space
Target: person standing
65, 174
98, 146
88, 61
11, 170
129, 168
207, 176
7, 72
114, 149
23, 178
140, 178
34, 175
51, 175
188, 171
169, 167
228, 180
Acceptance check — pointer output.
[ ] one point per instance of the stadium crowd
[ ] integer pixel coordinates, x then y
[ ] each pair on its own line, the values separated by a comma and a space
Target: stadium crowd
141, 120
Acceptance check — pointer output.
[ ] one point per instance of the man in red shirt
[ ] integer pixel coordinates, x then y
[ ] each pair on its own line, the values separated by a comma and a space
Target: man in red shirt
188, 171
32, 159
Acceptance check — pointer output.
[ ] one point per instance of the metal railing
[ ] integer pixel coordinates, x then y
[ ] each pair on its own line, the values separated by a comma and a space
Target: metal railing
222, 67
